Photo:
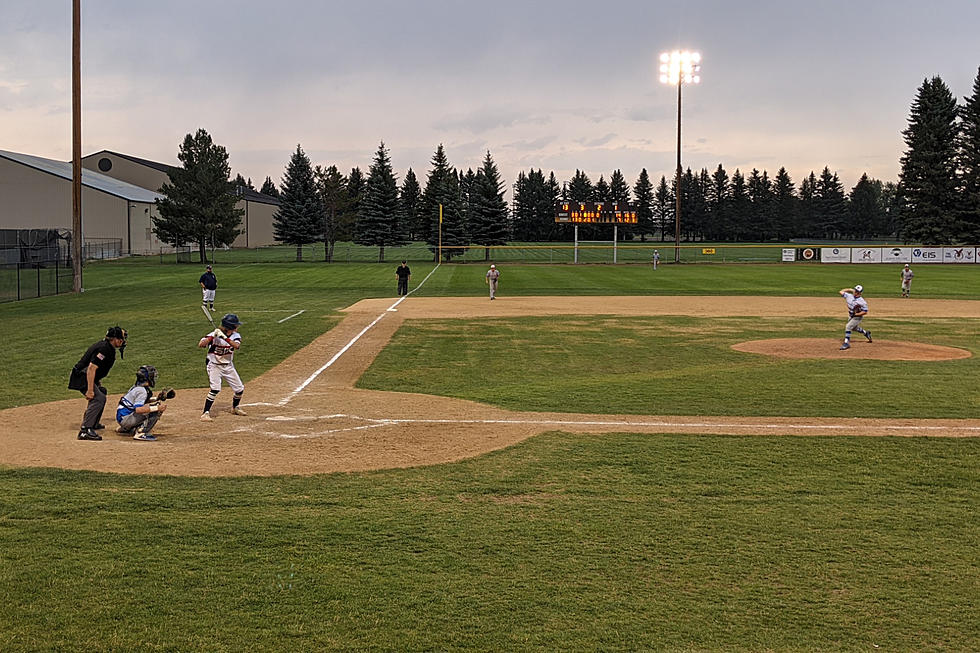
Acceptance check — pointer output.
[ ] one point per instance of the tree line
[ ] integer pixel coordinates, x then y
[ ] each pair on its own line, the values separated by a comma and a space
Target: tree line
935, 201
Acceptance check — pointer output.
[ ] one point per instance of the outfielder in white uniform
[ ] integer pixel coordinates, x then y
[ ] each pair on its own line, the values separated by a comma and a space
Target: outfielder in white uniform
857, 308
907, 275
221, 344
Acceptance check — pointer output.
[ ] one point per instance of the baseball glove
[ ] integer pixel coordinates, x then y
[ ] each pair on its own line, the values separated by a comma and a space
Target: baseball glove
163, 395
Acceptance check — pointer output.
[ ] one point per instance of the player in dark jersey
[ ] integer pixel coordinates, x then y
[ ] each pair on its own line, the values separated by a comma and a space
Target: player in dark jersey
87, 375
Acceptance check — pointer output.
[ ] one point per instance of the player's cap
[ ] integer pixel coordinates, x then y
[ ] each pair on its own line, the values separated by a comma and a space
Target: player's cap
492, 267
209, 267
858, 288
906, 265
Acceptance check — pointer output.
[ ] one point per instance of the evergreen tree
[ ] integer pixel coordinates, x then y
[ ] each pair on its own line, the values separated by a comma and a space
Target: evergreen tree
332, 188
739, 208
761, 218
969, 164
664, 205
580, 188
355, 194
718, 211
695, 205
928, 182
602, 192
411, 207
299, 219
891, 201
379, 223
829, 205
808, 218
442, 188
488, 221
199, 202
269, 188
643, 192
865, 211
786, 209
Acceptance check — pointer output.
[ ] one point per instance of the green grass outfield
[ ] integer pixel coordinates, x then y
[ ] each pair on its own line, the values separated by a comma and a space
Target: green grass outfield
578, 542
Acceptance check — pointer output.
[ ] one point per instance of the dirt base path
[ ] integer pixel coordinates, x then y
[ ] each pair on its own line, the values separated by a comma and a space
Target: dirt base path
305, 416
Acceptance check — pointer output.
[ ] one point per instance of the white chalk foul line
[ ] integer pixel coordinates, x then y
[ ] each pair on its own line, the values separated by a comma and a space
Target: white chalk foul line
377, 422
285, 400
291, 316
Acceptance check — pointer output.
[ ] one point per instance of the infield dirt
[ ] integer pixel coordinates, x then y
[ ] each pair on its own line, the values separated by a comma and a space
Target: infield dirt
330, 426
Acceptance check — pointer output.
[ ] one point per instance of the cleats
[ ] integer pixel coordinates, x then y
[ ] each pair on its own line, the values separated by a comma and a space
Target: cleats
145, 437
88, 434
206, 417
845, 346
238, 411
867, 334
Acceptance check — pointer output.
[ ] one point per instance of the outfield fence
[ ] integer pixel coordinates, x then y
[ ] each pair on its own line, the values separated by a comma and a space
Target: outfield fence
588, 252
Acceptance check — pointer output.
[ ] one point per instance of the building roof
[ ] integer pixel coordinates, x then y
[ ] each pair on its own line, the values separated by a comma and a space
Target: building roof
246, 193
90, 179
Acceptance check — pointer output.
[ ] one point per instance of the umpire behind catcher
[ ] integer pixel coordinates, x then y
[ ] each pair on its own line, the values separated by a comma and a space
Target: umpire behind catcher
87, 374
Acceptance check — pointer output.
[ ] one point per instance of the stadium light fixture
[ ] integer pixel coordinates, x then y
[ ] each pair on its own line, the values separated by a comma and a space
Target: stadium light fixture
677, 68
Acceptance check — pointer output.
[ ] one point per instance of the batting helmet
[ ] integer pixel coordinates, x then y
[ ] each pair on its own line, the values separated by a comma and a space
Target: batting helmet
230, 321
146, 374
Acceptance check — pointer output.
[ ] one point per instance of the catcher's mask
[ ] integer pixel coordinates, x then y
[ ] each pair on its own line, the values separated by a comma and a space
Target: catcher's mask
230, 321
120, 333
146, 374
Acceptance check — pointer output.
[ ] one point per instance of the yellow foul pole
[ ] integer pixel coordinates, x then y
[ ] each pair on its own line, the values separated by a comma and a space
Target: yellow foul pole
440, 234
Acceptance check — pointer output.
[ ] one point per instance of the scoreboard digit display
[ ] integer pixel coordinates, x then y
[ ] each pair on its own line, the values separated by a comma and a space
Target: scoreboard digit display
595, 213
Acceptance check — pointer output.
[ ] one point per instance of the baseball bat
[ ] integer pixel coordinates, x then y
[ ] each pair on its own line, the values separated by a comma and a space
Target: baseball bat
207, 315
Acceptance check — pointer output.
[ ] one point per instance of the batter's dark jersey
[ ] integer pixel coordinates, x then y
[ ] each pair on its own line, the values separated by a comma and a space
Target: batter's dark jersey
102, 354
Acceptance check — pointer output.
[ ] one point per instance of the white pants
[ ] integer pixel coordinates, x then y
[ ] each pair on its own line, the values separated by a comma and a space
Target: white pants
227, 372
208, 296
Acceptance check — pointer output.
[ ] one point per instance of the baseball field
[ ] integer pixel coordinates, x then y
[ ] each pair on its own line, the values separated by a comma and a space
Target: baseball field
605, 458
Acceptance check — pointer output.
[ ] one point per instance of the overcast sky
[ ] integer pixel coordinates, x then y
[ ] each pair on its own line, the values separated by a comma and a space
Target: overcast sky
553, 85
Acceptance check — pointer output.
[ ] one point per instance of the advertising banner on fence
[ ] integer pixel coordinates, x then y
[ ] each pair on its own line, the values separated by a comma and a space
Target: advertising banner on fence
866, 255
835, 254
807, 254
927, 254
959, 254
789, 254
896, 254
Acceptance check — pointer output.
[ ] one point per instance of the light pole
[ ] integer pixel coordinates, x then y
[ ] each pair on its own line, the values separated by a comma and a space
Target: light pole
679, 67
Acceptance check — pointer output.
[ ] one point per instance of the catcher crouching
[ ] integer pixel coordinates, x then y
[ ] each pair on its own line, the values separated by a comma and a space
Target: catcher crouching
139, 410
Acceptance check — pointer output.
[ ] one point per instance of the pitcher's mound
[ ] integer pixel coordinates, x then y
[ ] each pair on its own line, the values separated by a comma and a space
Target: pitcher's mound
885, 350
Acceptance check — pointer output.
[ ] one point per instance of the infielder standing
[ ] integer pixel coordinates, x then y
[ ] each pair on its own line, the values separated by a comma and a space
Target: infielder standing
221, 344
656, 258
857, 308
907, 275
492, 275
209, 283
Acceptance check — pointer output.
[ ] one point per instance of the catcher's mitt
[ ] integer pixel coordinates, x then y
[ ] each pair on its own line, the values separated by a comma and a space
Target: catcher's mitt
163, 395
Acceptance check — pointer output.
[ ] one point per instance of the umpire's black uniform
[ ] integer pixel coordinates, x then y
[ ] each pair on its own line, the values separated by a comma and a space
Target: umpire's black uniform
102, 355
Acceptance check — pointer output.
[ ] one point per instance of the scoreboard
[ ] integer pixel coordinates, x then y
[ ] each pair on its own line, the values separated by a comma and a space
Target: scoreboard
595, 213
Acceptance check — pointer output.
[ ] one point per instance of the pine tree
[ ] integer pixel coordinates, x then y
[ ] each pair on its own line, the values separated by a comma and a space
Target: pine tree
928, 180
199, 202
761, 203
269, 188
299, 219
969, 164
355, 193
739, 207
643, 192
488, 221
865, 212
602, 192
718, 210
410, 199
829, 205
379, 223
664, 205
332, 188
442, 188
786, 209
580, 188
808, 218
